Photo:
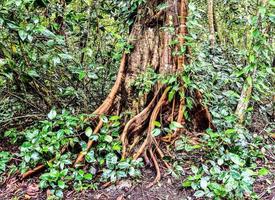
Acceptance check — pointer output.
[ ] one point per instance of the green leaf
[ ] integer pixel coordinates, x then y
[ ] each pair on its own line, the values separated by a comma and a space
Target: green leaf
48, 33
104, 119
90, 157
156, 132
111, 160
220, 161
52, 114
230, 131
121, 174
88, 176
35, 156
204, 183
81, 75
194, 169
157, 124
116, 147
61, 184
199, 193
115, 118
236, 159
108, 138
59, 193
263, 172
22, 34
231, 184
65, 56
88, 131
175, 125
249, 80
186, 183
33, 73
123, 165
171, 95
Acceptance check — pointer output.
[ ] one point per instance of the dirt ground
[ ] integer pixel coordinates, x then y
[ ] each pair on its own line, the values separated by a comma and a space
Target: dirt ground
169, 188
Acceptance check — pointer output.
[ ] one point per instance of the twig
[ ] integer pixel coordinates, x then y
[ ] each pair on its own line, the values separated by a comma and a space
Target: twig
24, 116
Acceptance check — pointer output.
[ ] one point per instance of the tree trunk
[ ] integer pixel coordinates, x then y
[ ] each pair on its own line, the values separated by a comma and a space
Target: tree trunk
151, 37
211, 22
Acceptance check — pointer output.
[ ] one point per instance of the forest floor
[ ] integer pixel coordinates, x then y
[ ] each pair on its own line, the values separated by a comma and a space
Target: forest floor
169, 188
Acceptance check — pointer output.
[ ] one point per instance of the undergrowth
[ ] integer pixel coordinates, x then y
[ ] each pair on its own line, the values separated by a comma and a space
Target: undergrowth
42, 142
228, 164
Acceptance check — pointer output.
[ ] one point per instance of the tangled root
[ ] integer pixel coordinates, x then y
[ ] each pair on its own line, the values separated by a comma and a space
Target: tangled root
148, 139
137, 123
158, 176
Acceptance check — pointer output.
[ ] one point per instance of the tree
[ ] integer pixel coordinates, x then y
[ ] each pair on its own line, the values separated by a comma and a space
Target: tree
151, 37
211, 22
64, 55
158, 43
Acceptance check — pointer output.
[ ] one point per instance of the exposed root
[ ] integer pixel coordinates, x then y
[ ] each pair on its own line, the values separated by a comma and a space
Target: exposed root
158, 176
136, 123
107, 104
146, 159
89, 145
168, 137
107, 184
161, 154
181, 119
136, 140
39, 167
34, 171
171, 118
148, 139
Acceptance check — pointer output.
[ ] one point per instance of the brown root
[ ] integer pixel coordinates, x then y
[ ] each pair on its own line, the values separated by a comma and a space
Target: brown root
181, 110
39, 168
136, 123
33, 171
148, 139
136, 140
171, 118
158, 176
89, 145
107, 104
146, 159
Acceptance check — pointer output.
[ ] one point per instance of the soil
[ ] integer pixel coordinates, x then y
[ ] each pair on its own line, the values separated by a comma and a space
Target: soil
168, 188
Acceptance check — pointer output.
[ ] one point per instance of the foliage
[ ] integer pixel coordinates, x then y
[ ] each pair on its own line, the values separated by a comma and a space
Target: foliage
229, 168
5, 157
230, 155
59, 54
64, 56
43, 141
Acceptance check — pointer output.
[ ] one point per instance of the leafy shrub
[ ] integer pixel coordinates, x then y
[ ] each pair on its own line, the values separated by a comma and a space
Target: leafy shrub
46, 140
4, 159
229, 165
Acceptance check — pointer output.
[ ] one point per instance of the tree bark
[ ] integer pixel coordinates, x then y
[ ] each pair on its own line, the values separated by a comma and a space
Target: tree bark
211, 23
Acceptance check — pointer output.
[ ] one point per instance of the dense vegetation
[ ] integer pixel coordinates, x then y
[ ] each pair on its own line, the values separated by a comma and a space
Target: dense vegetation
93, 92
